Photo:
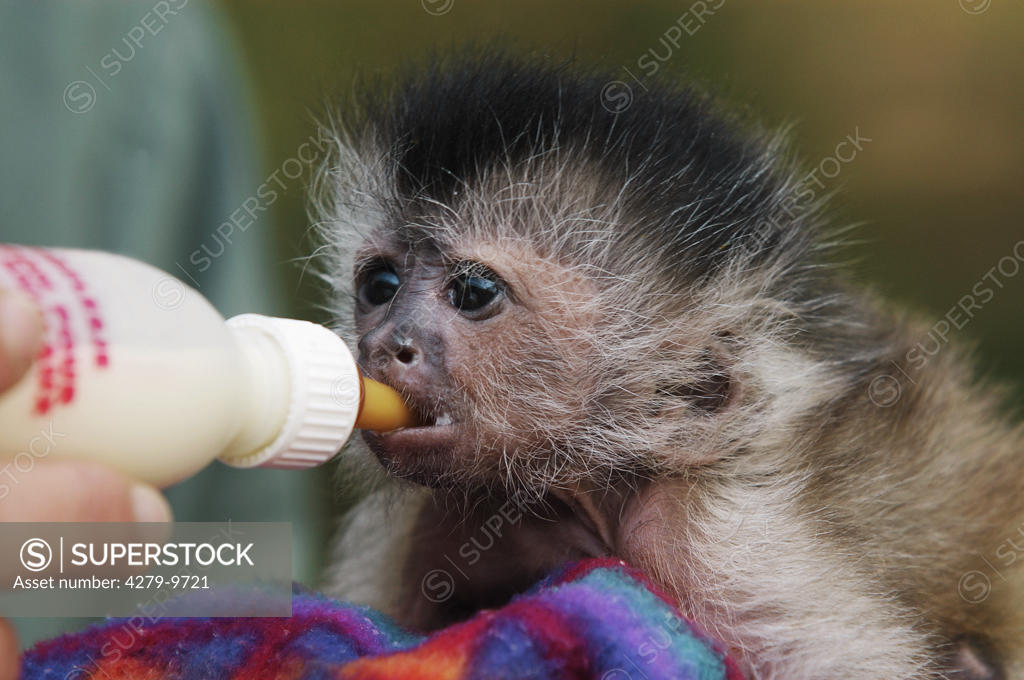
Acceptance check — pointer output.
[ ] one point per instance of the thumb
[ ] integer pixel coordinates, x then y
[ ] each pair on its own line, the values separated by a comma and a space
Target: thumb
78, 491
21, 332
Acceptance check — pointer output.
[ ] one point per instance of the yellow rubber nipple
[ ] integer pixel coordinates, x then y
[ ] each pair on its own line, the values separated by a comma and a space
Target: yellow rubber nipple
381, 408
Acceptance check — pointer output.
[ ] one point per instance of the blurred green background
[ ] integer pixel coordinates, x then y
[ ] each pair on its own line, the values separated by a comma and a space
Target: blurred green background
936, 85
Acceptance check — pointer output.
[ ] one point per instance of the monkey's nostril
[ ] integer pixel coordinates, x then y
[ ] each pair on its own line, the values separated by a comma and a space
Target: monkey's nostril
406, 355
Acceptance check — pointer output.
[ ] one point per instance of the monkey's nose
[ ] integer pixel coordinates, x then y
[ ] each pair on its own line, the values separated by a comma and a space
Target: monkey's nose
407, 355
403, 349
392, 352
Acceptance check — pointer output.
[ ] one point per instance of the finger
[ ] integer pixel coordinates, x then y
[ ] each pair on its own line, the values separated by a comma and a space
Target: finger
79, 491
8, 651
21, 332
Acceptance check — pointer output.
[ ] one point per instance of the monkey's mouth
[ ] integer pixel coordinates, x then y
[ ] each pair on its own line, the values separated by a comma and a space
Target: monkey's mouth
431, 423
428, 413
439, 419
426, 446
427, 435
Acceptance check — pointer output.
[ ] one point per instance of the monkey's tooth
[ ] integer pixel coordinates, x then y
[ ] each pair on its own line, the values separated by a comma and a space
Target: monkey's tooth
443, 419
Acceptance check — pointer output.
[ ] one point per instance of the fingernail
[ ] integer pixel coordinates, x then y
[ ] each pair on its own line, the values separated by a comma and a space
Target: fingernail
21, 327
149, 505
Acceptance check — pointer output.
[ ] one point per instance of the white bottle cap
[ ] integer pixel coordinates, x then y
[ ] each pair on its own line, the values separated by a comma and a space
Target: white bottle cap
325, 394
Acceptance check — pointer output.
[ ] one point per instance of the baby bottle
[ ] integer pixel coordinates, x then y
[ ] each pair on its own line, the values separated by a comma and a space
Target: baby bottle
139, 371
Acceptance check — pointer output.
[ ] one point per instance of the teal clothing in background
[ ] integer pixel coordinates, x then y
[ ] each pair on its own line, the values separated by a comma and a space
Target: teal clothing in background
127, 127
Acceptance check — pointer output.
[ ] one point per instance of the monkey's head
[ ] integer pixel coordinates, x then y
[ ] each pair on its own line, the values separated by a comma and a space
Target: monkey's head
563, 288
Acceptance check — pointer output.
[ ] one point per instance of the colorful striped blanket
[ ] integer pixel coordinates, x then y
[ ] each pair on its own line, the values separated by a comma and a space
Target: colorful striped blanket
595, 619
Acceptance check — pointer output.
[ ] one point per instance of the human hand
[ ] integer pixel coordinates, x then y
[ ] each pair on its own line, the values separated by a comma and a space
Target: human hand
56, 491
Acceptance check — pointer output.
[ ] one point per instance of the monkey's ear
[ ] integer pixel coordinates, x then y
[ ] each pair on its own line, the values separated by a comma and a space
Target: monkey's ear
971, 658
709, 386
709, 389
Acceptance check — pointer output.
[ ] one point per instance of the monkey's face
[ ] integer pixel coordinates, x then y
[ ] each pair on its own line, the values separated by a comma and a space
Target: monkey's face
487, 345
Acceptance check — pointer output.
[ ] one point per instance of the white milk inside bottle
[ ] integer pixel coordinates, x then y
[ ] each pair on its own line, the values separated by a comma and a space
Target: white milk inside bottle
139, 371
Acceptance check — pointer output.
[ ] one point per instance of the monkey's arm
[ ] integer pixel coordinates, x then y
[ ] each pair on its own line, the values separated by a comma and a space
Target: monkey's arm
428, 565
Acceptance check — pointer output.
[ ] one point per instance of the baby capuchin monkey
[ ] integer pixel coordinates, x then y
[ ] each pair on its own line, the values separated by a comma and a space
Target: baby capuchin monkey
622, 336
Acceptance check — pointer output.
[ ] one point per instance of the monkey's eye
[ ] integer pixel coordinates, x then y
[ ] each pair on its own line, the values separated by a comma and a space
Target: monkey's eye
378, 284
473, 287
